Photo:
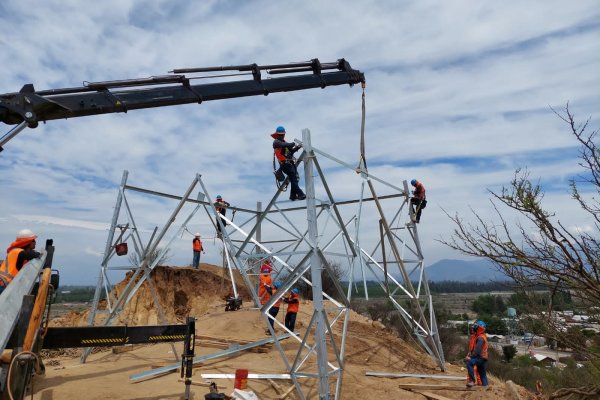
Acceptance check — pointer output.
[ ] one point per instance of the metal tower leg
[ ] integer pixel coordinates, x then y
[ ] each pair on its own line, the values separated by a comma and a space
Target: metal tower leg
315, 269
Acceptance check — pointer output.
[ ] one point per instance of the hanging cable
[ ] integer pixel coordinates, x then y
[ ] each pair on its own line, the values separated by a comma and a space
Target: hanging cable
363, 159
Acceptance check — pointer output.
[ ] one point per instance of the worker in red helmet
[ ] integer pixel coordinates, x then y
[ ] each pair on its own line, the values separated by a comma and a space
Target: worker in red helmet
17, 255
418, 200
265, 282
284, 152
197, 247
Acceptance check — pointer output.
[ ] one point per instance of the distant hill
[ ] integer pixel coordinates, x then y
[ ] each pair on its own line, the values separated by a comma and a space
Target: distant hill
464, 271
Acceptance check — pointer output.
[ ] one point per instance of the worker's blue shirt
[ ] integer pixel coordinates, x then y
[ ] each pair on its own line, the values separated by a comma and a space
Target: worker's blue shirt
478, 348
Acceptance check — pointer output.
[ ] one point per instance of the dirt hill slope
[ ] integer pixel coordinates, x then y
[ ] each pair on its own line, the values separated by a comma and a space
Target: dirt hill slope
369, 348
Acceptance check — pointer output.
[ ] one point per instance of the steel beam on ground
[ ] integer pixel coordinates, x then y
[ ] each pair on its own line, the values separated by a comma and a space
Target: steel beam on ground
169, 368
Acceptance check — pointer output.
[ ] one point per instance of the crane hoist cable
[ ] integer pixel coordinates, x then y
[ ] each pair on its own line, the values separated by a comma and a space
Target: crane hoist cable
363, 159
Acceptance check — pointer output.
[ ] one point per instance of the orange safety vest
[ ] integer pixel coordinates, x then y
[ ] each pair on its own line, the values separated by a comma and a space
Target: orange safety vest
263, 295
8, 269
281, 152
484, 348
293, 307
197, 243
473, 343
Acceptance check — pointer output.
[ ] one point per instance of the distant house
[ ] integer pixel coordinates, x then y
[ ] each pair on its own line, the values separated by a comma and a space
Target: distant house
495, 338
545, 360
581, 318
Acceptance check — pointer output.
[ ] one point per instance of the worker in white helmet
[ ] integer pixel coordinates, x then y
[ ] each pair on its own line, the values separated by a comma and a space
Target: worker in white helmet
197, 247
17, 255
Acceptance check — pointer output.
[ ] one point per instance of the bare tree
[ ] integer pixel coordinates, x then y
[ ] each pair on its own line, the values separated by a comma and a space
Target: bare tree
135, 260
542, 251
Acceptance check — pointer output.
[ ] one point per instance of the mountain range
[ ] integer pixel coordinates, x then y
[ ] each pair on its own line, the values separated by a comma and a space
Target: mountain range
464, 271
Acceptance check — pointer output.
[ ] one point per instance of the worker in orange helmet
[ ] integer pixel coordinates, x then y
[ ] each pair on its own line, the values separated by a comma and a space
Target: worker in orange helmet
197, 247
17, 255
284, 152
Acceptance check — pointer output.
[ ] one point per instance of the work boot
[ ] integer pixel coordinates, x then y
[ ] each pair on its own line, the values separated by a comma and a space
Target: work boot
470, 384
293, 197
300, 196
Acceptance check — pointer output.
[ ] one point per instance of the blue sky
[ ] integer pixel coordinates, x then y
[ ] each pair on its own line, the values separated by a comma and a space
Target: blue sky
458, 95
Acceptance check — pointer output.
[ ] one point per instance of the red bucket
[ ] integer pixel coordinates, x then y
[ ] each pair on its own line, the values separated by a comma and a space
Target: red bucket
241, 379
121, 249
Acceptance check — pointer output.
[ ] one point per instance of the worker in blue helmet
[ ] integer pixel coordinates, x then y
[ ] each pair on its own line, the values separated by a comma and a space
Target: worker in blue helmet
293, 305
221, 208
284, 152
477, 356
274, 310
418, 201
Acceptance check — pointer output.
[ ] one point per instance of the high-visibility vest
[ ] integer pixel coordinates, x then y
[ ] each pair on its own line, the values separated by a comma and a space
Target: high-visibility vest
282, 153
293, 307
484, 348
263, 295
197, 243
8, 269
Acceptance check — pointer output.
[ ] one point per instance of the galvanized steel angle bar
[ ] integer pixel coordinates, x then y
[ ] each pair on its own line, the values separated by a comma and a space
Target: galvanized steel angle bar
364, 174
262, 215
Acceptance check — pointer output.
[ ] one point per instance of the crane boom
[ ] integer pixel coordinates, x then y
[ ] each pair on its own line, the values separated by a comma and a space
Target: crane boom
29, 106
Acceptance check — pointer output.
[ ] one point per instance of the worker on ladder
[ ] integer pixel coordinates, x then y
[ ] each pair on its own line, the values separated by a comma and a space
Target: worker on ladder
284, 152
418, 200
17, 255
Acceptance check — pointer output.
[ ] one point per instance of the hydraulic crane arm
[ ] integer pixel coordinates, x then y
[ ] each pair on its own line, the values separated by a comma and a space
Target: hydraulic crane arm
29, 106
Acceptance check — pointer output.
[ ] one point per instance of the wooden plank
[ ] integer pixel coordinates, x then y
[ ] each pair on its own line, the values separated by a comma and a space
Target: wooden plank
433, 396
424, 386
424, 376
276, 386
287, 393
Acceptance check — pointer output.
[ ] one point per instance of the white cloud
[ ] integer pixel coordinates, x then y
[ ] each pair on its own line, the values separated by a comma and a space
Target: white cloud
457, 95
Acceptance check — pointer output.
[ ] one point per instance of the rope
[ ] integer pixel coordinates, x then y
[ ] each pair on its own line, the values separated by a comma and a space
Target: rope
8, 374
281, 185
363, 159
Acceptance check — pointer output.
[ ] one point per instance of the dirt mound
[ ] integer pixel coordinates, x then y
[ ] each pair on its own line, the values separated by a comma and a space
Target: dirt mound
181, 291
370, 347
